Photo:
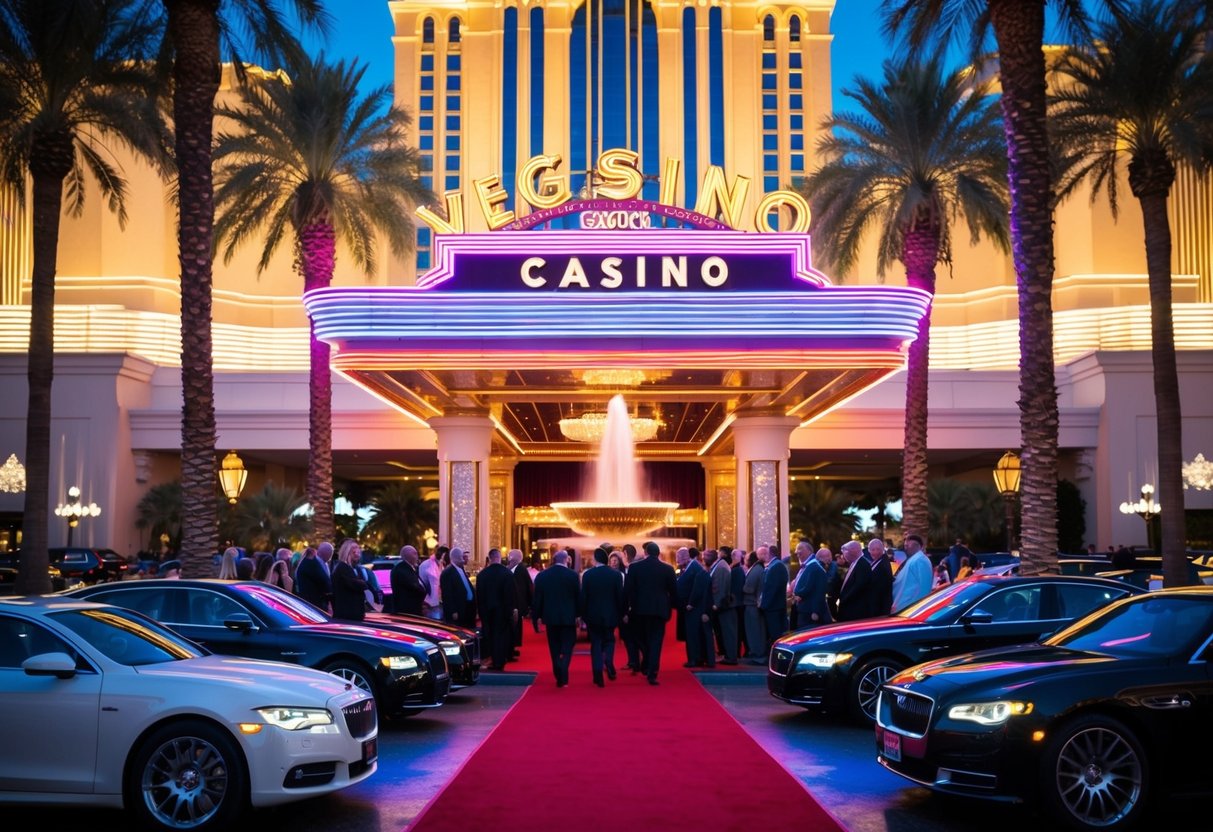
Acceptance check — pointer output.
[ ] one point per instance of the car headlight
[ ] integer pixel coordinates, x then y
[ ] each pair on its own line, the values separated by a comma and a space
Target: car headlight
989, 713
296, 719
450, 648
822, 660
399, 663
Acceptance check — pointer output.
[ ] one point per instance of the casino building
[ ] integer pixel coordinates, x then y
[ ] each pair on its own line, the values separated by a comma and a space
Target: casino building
616, 220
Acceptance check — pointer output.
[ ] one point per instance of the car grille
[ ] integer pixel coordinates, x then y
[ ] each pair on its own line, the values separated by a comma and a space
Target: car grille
437, 663
473, 646
360, 718
907, 712
781, 661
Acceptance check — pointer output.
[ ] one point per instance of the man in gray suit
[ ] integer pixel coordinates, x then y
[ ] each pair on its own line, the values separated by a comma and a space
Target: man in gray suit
722, 604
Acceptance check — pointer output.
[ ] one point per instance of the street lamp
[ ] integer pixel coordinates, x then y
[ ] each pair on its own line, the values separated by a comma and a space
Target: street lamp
74, 510
1006, 478
1146, 509
232, 475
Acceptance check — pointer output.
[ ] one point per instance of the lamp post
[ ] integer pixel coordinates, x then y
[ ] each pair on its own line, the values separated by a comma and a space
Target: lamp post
232, 475
1006, 478
1146, 509
73, 511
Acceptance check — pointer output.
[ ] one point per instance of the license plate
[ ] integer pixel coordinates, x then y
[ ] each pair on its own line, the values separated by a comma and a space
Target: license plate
892, 746
370, 750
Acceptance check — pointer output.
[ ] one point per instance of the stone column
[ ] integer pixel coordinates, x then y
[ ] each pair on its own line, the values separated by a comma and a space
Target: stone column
760, 445
720, 479
464, 442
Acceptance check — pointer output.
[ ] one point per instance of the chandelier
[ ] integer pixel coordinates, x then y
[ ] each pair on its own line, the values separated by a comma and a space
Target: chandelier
589, 427
1198, 474
12, 475
613, 377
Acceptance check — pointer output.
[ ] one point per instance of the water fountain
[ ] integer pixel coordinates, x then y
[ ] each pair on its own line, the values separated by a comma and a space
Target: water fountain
618, 511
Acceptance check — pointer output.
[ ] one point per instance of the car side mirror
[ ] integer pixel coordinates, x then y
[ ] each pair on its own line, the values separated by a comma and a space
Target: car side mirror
241, 621
59, 665
977, 617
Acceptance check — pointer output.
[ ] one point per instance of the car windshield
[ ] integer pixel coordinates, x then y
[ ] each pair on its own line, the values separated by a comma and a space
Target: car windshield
282, 603
127, 637
1144, 626
942, 604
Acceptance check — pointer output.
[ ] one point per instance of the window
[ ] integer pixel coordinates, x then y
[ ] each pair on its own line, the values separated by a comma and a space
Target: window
205, 608
21, 639
427, 30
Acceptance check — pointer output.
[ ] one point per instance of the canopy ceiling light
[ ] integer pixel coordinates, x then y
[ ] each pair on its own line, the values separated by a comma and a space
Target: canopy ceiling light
1198, 473
232, 476
589, 427
12, 475
613, 377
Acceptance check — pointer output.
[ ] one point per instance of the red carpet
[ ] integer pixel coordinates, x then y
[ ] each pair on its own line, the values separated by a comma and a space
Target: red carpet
629, 756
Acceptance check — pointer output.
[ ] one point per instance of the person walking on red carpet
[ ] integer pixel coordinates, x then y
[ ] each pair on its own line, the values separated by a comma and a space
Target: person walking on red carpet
495, 597
601, 608
524, 591
651, 594
557, 593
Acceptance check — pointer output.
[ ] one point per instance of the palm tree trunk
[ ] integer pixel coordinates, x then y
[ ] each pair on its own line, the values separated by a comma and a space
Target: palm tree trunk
1019, 29
194, 29
1151, 181
317, 256
920, 252
50, 162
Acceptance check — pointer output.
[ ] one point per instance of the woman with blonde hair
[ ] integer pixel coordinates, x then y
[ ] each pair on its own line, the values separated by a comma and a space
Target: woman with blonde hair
227, 569
349, 590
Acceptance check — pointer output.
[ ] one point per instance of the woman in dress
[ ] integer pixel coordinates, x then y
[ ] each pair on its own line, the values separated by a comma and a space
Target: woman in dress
349, 590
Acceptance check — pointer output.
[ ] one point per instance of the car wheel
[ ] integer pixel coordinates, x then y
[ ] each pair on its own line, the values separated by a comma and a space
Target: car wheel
356, 674
1095, 774
865, 686
187, 775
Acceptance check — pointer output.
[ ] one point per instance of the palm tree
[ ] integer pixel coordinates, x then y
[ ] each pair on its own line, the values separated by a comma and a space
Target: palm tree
159, 511
401, 516
1143, 93
926, 151
949, 502
1018, 27
70, 91
272, 517
315, 157
196, 29
819, 513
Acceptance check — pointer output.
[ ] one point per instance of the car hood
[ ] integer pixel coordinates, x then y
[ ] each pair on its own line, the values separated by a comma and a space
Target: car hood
411, 625
1008, 667
414, 622
834, 632
367, 632
279, 683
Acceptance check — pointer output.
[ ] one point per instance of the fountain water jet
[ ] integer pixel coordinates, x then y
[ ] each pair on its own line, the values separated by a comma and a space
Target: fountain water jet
618, 509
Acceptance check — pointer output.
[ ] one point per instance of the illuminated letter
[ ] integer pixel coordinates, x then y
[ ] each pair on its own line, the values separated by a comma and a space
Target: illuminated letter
491, 195
669, 182
552, 190
714, 272
801, 213
673, 274
614, 277
535, 281
640, 272
453, 224
618, 174
574, 273
716, 197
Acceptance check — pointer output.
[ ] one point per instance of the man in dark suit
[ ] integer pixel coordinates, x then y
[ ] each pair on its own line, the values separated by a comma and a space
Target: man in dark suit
458, 594
524, 592
881, 602
557, 593
651, 594
687, 627
809, 594
407, 589
626, 630
601, 610
734, 558
498, 610
724, 618
855, 596
699, 615
774, 601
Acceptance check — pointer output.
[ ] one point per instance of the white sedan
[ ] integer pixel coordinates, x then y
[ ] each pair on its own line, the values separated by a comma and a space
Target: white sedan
100, 706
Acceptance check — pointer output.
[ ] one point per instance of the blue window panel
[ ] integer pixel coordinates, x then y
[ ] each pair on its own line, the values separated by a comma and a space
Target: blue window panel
797, 141
536, 80
769, 102
797, 122
797, 161
427, 103
769, 60
768, 28
452, 122
452, 63
794, 81
427, 62
454, 83
769, 81
614, 84
452, 142
452, 161
427, 30
427, 83
580, 128
794, 29
770, 163
423, 236
651, 151
509, 104
716, 85
452, 103
425, 123
770, 141
770, 183
795, 102
452, 182
427, 181
425, 142
454, 33
770, 122
423, 260
690, 106
794, 60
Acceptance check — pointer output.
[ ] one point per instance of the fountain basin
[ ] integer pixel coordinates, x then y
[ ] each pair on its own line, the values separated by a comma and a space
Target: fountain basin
614, 520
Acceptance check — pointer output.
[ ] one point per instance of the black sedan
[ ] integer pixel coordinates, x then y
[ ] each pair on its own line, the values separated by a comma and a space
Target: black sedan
1098, 722
840, 667
83, 564
461, 645
258, 621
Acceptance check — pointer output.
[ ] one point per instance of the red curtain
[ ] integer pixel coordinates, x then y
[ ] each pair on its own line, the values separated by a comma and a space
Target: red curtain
543, 483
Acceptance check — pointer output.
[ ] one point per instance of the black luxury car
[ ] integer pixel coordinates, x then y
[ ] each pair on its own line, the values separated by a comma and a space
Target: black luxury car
840, 667
464, 662
88, 565
1096, 723
259, 621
